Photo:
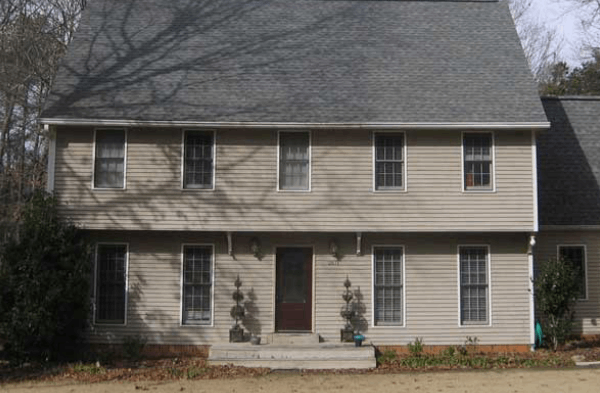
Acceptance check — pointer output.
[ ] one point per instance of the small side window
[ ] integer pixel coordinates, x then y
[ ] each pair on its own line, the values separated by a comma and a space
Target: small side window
478, 165
575, 255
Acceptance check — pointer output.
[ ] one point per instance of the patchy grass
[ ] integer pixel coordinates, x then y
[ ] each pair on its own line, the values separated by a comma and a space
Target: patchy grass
452, 358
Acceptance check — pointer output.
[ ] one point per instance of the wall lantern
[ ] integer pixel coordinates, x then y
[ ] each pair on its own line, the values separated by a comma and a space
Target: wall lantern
255, 247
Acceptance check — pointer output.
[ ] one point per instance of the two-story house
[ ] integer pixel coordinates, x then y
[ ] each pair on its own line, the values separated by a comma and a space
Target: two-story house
297, 143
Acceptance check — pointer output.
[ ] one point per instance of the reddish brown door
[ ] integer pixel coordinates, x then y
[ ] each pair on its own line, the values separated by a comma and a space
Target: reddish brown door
293, 303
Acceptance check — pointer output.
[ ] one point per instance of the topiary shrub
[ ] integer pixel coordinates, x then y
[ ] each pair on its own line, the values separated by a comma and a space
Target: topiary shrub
44, 286
556, 290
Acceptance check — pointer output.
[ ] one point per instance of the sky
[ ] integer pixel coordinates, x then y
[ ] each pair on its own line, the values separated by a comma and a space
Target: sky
565, 18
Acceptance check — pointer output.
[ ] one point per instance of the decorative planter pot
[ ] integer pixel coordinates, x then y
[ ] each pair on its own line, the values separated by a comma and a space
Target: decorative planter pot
255, 340
358, 340
236, 334
346, 335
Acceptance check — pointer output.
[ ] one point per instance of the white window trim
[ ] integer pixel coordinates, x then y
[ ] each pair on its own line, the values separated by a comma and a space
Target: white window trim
462, 164
279, 189
94, 188
403, 248
585, 267
489, 280
95, 302
214, 154
404, 187
212, 287
313, 312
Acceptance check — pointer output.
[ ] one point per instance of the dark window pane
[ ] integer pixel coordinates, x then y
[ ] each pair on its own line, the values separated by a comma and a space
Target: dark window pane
389, 161
199, 159
388, 286
477, 150
294, 160
111, 280
109, 165
197, 284
473, 284
575, 255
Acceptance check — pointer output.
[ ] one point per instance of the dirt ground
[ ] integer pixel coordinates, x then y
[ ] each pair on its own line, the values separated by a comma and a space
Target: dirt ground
513, 381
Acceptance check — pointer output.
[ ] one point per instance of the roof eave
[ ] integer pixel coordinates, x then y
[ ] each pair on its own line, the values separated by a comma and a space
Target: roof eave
375, 125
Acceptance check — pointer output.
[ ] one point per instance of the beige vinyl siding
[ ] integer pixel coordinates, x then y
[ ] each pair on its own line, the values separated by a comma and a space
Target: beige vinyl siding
587, 312
341, 197
432, 297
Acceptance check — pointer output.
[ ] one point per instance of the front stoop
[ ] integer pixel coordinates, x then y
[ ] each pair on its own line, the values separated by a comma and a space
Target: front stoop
291, 357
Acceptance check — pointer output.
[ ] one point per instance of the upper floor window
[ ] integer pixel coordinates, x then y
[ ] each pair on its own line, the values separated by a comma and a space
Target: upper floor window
111, 284
109, 162
389, 161
199, 153
478, 162
388, 271
197, 285
575, 255
474, 284
294, 160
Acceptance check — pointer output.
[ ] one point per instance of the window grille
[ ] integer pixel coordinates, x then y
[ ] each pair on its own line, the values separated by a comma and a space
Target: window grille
473, 285
389, 161
199, 159
109, 165
388, 285
197, 284
294, 160
477, 160
111, 281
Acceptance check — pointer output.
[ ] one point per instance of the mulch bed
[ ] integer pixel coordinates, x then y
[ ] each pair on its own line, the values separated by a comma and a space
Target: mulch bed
197, 368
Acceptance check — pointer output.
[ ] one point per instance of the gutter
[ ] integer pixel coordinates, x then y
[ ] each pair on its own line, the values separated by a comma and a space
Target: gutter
280, 125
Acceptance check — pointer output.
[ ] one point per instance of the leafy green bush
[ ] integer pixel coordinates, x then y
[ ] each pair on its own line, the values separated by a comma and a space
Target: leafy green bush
44, 286
556, 289
387, 357
416, 348
133, 347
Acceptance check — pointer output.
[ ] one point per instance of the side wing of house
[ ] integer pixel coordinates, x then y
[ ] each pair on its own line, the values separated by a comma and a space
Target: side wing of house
569, 170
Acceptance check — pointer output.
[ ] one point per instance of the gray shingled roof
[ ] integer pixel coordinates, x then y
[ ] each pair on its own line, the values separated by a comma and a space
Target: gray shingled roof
569, 162
307, 61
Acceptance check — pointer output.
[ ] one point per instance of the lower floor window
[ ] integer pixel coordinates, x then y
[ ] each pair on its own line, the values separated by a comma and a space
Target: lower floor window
388, 285
575, 255
111, 283
197, 285
474, 285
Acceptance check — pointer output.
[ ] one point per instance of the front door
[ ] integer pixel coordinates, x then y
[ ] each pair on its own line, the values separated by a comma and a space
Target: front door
293, 300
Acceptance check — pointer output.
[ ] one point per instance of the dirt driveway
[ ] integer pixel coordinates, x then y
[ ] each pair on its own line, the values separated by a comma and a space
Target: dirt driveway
555, 381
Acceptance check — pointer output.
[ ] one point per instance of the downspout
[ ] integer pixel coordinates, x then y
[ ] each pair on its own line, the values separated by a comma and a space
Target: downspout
51, 132
530, 247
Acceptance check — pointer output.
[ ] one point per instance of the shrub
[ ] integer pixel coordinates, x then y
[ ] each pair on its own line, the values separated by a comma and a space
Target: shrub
133, 347
387, 357
416, 348
556, 289
44, 286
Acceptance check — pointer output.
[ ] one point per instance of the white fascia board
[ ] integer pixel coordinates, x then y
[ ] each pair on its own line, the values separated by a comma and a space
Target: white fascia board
279, 125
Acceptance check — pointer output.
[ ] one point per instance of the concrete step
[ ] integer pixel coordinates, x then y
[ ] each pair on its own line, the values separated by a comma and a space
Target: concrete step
293, 339
288, 357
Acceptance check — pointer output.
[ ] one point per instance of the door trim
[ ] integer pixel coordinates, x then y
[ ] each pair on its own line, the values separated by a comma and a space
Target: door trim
313, 313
